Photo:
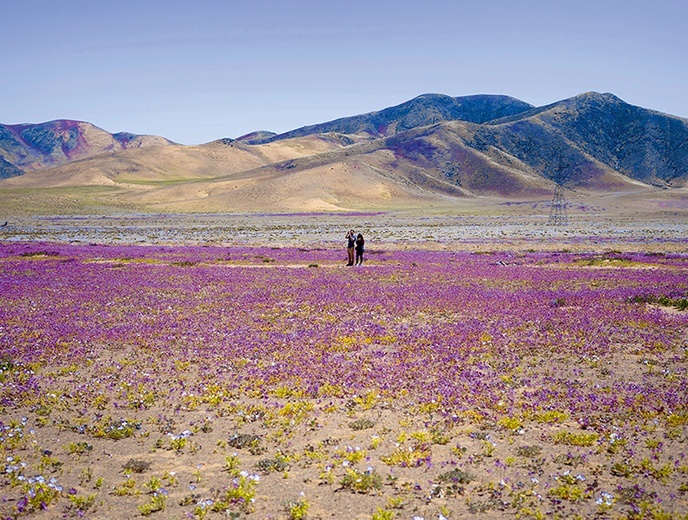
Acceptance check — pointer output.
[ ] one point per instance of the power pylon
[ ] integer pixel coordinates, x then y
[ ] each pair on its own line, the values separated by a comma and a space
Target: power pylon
557, 212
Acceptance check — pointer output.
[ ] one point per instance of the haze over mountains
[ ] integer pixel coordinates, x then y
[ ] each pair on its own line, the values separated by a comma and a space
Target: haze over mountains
433, 148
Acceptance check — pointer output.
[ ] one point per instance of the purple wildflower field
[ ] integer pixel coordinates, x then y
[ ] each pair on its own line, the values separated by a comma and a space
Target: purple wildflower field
231, 382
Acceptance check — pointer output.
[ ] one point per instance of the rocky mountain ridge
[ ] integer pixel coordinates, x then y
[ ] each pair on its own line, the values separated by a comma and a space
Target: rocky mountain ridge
424, 110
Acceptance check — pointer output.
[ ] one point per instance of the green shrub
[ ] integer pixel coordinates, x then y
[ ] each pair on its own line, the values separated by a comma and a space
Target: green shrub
360, 482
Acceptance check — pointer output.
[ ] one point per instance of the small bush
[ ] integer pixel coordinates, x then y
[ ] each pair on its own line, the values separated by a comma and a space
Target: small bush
156, 503
297, 509
247, 441
78, 448
528, 451
455, 476
361, 424
383, 514
136, 466
271, 465
359, 482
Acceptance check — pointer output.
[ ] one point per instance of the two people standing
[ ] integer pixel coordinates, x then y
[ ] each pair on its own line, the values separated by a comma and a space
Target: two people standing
354, 245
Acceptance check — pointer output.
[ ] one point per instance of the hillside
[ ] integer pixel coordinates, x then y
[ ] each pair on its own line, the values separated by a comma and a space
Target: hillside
28, 147
424, 110
638, 143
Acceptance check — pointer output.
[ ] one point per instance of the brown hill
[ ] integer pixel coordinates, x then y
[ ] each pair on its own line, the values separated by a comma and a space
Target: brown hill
29, 147
303, 174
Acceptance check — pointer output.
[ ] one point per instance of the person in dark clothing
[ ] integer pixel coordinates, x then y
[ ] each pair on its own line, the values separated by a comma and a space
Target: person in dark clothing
359, 249
350, 245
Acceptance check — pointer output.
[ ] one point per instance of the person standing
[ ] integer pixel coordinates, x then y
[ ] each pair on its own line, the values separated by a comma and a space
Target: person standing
359, 249
350, 246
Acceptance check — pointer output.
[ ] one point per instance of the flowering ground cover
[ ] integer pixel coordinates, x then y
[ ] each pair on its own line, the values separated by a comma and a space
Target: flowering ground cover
210, 382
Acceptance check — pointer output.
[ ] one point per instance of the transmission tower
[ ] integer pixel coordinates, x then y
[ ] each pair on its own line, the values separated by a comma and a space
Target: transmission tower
557, 212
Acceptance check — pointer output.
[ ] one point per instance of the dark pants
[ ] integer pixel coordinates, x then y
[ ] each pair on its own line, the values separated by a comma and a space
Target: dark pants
359, 256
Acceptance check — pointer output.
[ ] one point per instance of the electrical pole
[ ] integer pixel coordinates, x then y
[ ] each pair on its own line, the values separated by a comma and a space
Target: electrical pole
557, 212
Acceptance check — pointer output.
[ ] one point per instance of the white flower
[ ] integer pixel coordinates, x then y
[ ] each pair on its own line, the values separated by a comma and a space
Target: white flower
606, 499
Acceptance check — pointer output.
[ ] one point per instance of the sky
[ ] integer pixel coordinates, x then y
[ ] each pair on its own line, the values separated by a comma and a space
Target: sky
199, 70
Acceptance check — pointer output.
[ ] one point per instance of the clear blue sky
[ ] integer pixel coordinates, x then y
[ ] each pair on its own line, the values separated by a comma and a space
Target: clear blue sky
196, 70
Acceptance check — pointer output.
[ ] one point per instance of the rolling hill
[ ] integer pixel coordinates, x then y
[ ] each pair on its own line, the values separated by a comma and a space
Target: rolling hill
433, 149
30, 147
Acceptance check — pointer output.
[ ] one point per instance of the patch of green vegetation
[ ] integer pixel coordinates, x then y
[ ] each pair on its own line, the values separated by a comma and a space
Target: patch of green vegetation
456, 476
408, 457
550, 416
246, 441
272, 465
360, 482
297, 509
82, 503
613, 259
383, 514
575, 439
34, 254
114, 429
241, 492
160, 182
78, 448
622, 469
680, 303
361, 424
155, 504
566, 491
528, 451
136, 466
512, 424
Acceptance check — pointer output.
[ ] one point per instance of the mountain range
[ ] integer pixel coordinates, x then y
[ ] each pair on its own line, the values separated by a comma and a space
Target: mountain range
433, 148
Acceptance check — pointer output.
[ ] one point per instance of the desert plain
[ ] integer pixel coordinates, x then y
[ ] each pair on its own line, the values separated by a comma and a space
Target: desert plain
480, 364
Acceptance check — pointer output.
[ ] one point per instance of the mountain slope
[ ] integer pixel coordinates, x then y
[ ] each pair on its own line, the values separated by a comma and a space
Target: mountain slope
35, 146
423, 110
8, 169
642, 144
573, 140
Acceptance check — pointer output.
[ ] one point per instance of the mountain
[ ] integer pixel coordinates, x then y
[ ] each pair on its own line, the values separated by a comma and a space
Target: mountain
594, 130
427, 109
594, 141
431, 150
29, 147
642, 144
260, 136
